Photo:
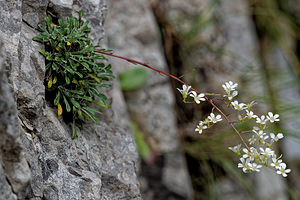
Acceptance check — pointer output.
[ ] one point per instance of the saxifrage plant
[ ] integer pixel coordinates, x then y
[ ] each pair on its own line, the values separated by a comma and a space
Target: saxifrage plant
74, 76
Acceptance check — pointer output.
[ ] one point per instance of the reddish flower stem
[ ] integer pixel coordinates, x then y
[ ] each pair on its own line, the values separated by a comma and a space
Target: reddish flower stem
177, 79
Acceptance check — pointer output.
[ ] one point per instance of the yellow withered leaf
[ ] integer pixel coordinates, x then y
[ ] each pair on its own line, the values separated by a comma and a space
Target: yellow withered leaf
50, 82
57, 48
59, 109
54, 80
94, 77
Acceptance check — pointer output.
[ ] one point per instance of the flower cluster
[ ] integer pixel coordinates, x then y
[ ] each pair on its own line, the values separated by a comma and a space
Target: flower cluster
208, 122
185, 91
197, 98
229, 88
259, 150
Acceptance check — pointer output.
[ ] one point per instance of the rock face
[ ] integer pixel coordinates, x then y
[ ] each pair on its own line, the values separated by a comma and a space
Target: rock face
38, 158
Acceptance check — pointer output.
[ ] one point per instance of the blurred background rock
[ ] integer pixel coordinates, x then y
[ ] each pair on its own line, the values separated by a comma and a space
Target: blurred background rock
207, 42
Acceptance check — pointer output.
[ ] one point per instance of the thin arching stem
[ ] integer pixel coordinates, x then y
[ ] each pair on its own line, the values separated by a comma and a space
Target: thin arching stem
182, 82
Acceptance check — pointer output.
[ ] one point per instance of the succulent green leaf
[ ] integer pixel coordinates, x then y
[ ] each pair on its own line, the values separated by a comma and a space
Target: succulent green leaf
54, 66
49, 58
67, 80
57, 98
91, 115
99, 103
68, 108
74, 130
75, 103
42, 52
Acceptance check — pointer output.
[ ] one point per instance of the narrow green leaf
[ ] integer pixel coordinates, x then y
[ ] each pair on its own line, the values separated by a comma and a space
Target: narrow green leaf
79, 74
86, 66
54, 66
49, 58
69, 69
99, 103
80, 92
42, 52
88, 49
75, 103
105, 85
58, 59
68, 108
80, 14
91, 115
37, 38
83, 97
57, 98
74, 130
43, 28
93, 110
67, 80
98, 94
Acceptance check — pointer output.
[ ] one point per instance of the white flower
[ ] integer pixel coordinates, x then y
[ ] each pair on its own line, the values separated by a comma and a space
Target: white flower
277, 137
229, 86
249, 154
261, 136
273, 118
185, 91
230, 96
236, 149
206, 121
252, 140
249, 105
197, 98
282, 170
200, 127
241, 119
266, 152
262, 120
250, 114
255, 167
244, 164
276, 163
238, 106
214, 119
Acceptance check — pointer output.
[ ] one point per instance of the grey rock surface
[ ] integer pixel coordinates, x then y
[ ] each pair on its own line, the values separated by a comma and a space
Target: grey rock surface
10, 146
47, 163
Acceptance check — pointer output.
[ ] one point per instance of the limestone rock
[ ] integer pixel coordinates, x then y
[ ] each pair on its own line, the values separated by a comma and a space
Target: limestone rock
47, 163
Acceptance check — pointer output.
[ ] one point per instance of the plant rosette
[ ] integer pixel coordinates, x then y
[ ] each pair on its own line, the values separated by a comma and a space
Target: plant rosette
75, 74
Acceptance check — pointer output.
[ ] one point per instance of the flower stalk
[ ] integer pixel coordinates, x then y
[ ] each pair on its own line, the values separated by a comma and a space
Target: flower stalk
182, 82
